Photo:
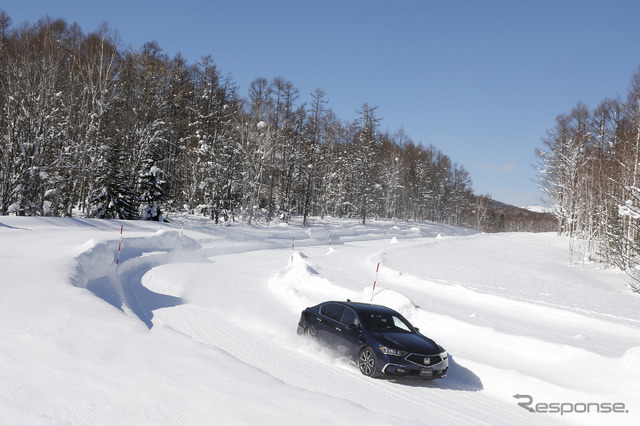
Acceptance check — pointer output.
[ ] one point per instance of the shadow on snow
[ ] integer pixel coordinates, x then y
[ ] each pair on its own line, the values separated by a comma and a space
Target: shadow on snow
121, 285
143, 301
458, 378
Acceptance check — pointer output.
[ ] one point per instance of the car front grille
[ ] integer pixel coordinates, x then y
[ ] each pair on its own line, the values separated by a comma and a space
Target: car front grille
424, 360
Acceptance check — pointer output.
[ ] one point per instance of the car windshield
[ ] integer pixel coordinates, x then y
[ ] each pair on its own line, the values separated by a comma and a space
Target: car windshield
386, 323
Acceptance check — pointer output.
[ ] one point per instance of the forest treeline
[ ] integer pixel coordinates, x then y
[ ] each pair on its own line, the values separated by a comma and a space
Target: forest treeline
589, 166
121, 133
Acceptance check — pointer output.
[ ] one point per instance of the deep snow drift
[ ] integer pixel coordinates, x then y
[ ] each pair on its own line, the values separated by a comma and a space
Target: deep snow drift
199, 326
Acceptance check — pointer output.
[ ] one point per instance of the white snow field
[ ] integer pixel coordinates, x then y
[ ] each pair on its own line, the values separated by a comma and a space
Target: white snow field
198, 327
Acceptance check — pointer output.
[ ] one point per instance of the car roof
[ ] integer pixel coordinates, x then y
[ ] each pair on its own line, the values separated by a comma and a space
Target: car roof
364, 307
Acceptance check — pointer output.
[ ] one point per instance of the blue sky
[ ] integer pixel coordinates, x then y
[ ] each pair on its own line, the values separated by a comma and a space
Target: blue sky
480, 80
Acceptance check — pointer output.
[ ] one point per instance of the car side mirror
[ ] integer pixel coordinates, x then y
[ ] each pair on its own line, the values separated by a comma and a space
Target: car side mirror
416, 329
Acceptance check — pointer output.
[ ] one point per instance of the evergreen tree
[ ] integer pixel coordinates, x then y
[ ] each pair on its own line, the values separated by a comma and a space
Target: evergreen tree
112, 196
152, 190
81, 120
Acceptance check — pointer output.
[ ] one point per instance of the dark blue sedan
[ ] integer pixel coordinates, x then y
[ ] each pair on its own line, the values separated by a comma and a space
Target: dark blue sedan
379, 338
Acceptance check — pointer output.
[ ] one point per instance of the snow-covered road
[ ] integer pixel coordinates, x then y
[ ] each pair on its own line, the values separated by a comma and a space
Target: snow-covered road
201, 328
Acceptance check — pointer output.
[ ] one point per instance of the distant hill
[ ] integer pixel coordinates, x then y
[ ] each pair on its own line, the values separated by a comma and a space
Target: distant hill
538, 208
502, 217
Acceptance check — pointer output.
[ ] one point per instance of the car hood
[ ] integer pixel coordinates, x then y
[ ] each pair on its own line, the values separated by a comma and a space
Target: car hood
416, 343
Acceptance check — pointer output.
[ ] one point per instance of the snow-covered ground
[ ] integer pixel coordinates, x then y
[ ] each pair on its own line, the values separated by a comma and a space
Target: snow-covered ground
199, 326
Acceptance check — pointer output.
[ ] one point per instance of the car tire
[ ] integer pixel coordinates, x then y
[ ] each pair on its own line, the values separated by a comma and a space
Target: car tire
311, 332
367, 362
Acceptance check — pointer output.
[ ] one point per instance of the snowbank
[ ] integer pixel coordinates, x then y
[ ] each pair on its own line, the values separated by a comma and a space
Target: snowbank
200, 327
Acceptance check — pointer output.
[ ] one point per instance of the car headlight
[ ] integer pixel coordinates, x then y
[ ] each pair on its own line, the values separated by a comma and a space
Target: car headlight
443, 354
390, 351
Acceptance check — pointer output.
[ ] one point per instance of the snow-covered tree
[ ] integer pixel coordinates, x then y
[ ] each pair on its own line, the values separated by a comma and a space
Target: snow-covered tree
152, 191
112, 196
86, 125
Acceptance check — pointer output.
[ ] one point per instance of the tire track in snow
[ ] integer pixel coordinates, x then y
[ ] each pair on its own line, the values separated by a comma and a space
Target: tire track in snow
305, 365
291, 360
520, 331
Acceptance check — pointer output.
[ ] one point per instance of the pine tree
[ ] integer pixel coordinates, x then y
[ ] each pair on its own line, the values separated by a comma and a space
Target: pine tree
112, 197
152, 190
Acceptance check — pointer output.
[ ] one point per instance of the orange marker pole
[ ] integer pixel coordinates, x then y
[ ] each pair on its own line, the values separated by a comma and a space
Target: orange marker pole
293, 240
374, 282
119, 245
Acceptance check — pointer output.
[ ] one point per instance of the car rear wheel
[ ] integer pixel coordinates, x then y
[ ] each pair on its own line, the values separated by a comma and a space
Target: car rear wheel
367, 362
310, 332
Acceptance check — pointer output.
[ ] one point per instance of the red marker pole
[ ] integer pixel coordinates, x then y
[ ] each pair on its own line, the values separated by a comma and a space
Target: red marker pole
293, 240
374, 282
119, 245
181, 233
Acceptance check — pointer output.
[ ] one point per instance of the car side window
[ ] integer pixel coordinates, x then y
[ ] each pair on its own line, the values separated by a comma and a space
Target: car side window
349, 317
375, 322
332, 311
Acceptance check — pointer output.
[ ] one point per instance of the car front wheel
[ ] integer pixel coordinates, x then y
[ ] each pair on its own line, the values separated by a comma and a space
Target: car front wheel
367, 362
